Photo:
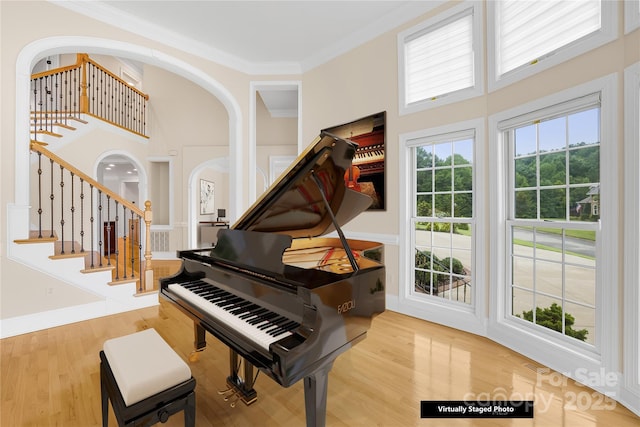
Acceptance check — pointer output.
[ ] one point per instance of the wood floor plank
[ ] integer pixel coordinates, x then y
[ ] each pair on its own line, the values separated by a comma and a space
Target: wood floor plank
51, 378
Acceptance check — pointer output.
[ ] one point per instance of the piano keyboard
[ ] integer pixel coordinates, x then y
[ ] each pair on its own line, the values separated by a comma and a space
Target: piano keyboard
254, 322
369, 154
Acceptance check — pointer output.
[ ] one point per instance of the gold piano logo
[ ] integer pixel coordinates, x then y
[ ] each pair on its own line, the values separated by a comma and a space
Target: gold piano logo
346, 306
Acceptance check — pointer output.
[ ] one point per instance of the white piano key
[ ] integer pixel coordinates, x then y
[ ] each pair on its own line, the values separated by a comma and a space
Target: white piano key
252, 332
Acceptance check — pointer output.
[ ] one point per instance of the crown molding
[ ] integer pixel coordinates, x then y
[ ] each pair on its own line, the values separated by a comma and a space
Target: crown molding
103, 12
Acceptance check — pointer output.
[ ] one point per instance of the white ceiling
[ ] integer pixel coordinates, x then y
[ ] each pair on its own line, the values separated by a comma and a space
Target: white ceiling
257, 37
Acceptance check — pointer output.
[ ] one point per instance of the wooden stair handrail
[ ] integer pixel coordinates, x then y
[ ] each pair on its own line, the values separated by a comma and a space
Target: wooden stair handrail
39, 148
146, 281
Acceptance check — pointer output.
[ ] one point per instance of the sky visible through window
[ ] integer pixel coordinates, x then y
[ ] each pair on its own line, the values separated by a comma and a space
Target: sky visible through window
582, 127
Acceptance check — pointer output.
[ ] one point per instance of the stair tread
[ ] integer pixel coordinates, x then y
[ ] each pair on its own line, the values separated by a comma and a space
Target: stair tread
34, 237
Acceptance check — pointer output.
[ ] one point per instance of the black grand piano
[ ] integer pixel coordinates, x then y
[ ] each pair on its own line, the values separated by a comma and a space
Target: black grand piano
279, 296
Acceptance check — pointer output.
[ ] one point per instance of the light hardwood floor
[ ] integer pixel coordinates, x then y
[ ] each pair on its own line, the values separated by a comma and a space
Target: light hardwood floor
51, 378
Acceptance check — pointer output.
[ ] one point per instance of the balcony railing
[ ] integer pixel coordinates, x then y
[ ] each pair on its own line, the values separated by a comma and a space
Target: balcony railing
67, 93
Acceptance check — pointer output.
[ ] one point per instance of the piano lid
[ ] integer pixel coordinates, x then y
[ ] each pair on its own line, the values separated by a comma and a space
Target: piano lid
293, 204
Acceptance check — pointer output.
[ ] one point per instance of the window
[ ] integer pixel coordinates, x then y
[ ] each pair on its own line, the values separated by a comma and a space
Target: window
440, 59
530, 36
442, 220
631, 317
631, 15
553, 219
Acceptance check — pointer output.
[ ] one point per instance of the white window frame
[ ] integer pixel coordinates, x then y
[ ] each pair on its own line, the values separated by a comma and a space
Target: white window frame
607, 33
553, 350
467, 317
631, 356
631, 15
478, 48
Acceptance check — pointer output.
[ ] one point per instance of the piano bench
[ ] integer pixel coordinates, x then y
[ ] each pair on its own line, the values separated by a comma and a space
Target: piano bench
145, 380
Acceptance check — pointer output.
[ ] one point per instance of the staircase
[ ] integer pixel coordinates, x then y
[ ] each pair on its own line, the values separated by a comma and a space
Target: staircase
69, 208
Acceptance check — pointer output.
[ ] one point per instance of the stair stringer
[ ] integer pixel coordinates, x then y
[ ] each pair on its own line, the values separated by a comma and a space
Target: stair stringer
113, 298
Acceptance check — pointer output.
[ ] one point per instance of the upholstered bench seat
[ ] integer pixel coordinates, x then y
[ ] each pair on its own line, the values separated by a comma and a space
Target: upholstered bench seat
145, 380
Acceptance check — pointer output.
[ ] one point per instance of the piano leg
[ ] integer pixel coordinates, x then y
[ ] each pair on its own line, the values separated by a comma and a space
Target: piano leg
200, 342
315, 396
243, 387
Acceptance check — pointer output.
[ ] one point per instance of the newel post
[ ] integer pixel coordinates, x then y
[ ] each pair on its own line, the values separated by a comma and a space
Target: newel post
148, 271
82, 59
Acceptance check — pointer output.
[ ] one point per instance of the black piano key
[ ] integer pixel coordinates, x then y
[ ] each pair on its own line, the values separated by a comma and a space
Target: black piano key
230, 302
262, 317
274, 322
269, 322
250, 312
255, 316
240, 308
287, 327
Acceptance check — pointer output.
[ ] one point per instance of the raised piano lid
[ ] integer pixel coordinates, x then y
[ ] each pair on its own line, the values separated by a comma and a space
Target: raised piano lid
293, 204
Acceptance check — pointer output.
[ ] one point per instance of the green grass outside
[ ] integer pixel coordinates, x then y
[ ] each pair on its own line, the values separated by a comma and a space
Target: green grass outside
580, 234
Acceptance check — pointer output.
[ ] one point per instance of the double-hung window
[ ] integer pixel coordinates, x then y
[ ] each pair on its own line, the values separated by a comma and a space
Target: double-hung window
442, 222
439, 60
553, 217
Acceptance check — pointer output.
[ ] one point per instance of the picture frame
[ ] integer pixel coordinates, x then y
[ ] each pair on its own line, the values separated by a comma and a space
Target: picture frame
367, 174
207, 193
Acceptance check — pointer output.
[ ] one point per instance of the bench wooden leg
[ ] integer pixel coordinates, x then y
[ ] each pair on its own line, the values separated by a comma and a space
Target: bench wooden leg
104, 396
190, 411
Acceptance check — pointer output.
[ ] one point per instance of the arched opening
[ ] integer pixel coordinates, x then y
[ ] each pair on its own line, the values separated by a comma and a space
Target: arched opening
39, 49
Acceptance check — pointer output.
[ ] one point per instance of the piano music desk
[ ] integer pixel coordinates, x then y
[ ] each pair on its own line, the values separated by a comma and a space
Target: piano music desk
208, 231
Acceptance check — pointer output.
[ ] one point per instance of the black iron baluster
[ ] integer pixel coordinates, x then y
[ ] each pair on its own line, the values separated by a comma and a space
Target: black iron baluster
35, 109
77, 93
92, 108
109, 229
66, 92
124, 240
39, 112
140, 250
117, 248
81, 215
91, 223
101, 94
73, 210
133, 241
62, 208
39, 195
144, 117
100, 235
110, 101
49, 107
56, 90
51, 196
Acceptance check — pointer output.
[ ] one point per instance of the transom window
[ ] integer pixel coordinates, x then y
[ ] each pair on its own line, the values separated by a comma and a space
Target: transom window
440, 59
443, 219
554, 217
528, 36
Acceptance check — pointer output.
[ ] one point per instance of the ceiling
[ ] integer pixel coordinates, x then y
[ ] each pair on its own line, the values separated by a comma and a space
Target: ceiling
257, 37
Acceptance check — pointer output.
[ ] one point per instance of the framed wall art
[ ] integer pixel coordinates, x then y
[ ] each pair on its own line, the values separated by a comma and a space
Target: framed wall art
206, 197
367, 171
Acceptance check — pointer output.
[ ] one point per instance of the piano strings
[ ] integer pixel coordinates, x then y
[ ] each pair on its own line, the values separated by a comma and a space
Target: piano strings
326, 258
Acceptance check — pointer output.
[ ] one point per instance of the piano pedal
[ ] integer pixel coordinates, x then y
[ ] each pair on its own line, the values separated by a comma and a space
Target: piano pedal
235, 396
241, 392
221, 392
233, 403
